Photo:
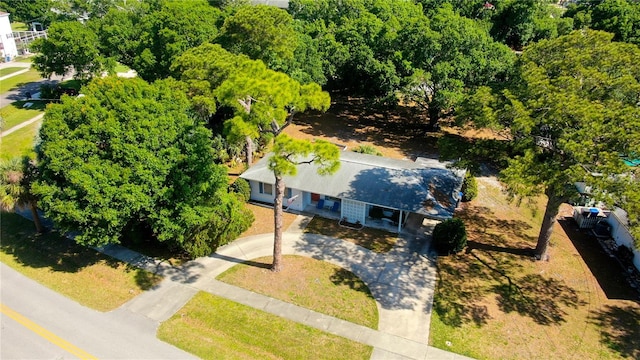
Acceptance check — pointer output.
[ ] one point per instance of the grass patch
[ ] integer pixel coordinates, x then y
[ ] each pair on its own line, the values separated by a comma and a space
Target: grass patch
9, 70
14, 113
495, 302
376, 240
23, 59
20, 142
20, 80
310, 283
19, 26
82, 274
120, 68
71, 84
214, 328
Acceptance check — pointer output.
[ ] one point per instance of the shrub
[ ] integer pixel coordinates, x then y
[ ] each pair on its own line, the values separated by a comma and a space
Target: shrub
242, 188
469, 188
450, 236
49, 92
367, 149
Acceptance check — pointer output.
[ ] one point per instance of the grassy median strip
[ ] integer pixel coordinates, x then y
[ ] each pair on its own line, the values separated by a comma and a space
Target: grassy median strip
15, 114
310, 283
211, 327
80, 273
19, 80
10, 70
19, 142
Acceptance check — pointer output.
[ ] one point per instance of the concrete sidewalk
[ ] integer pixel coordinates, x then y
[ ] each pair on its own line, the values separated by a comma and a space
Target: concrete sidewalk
401, 281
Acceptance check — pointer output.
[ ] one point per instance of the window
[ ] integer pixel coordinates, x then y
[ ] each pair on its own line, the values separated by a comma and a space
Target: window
331, 198
266, 188
287, 193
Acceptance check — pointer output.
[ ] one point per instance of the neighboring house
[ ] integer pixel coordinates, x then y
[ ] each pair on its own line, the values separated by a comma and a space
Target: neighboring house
588, 213
367, 189
8, 48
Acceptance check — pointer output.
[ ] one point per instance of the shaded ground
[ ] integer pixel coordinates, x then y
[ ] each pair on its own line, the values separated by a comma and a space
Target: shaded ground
494, 301
376, 240
398, 133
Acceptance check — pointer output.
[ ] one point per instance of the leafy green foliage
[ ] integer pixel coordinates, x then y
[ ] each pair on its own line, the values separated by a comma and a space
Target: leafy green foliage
571, 116
261, 100
453, 55
242, 188
128, 152
620, 17
450, 236
469, 187
261, 32
69, 46
367, 149
28, 10
16, 177
150, 36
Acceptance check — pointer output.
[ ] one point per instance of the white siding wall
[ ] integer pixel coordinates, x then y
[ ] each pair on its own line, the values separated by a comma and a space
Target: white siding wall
620, 233
256, 195
6, 37
353, 210
298, 202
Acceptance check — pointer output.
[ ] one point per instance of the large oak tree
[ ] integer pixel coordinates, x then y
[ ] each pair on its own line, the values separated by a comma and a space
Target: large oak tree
127, 155
573, 116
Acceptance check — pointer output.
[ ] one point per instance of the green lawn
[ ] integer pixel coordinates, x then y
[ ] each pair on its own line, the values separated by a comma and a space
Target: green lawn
20, 142
19, 26
15, 113
19, 80
120, 68
310, 283
214, 328
82, 274
10, 70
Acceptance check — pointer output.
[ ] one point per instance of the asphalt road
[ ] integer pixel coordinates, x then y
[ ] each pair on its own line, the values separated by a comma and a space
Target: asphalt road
38, 323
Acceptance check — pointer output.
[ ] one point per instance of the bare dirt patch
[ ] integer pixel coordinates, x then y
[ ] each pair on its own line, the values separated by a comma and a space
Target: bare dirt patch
263, 223
397, 133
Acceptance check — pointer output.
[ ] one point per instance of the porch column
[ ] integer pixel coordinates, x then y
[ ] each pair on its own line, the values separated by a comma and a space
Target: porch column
400, 222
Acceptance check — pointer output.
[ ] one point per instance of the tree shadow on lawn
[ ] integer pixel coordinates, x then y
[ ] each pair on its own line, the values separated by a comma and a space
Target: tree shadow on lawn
606, 270
50, 250
354, 119
485, 231
620, 329
468, 281
345, 277
56, 252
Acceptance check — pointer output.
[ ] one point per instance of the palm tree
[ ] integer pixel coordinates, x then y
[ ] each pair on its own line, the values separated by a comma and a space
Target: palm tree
16, 176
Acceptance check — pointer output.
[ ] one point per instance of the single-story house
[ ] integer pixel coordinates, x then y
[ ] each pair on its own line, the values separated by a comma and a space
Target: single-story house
366, 189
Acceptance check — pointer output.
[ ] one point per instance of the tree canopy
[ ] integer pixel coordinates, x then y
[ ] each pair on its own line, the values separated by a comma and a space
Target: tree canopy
69, 46
261, 101
572, 116
620, 17
127, 155
148, 37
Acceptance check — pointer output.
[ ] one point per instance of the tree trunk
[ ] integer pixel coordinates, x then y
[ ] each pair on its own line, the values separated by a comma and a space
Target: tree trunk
277, 218
548, 221
434, 116
249, 149
36, 218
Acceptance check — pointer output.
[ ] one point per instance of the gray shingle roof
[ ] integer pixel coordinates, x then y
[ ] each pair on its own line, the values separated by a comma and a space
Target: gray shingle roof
427, 186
